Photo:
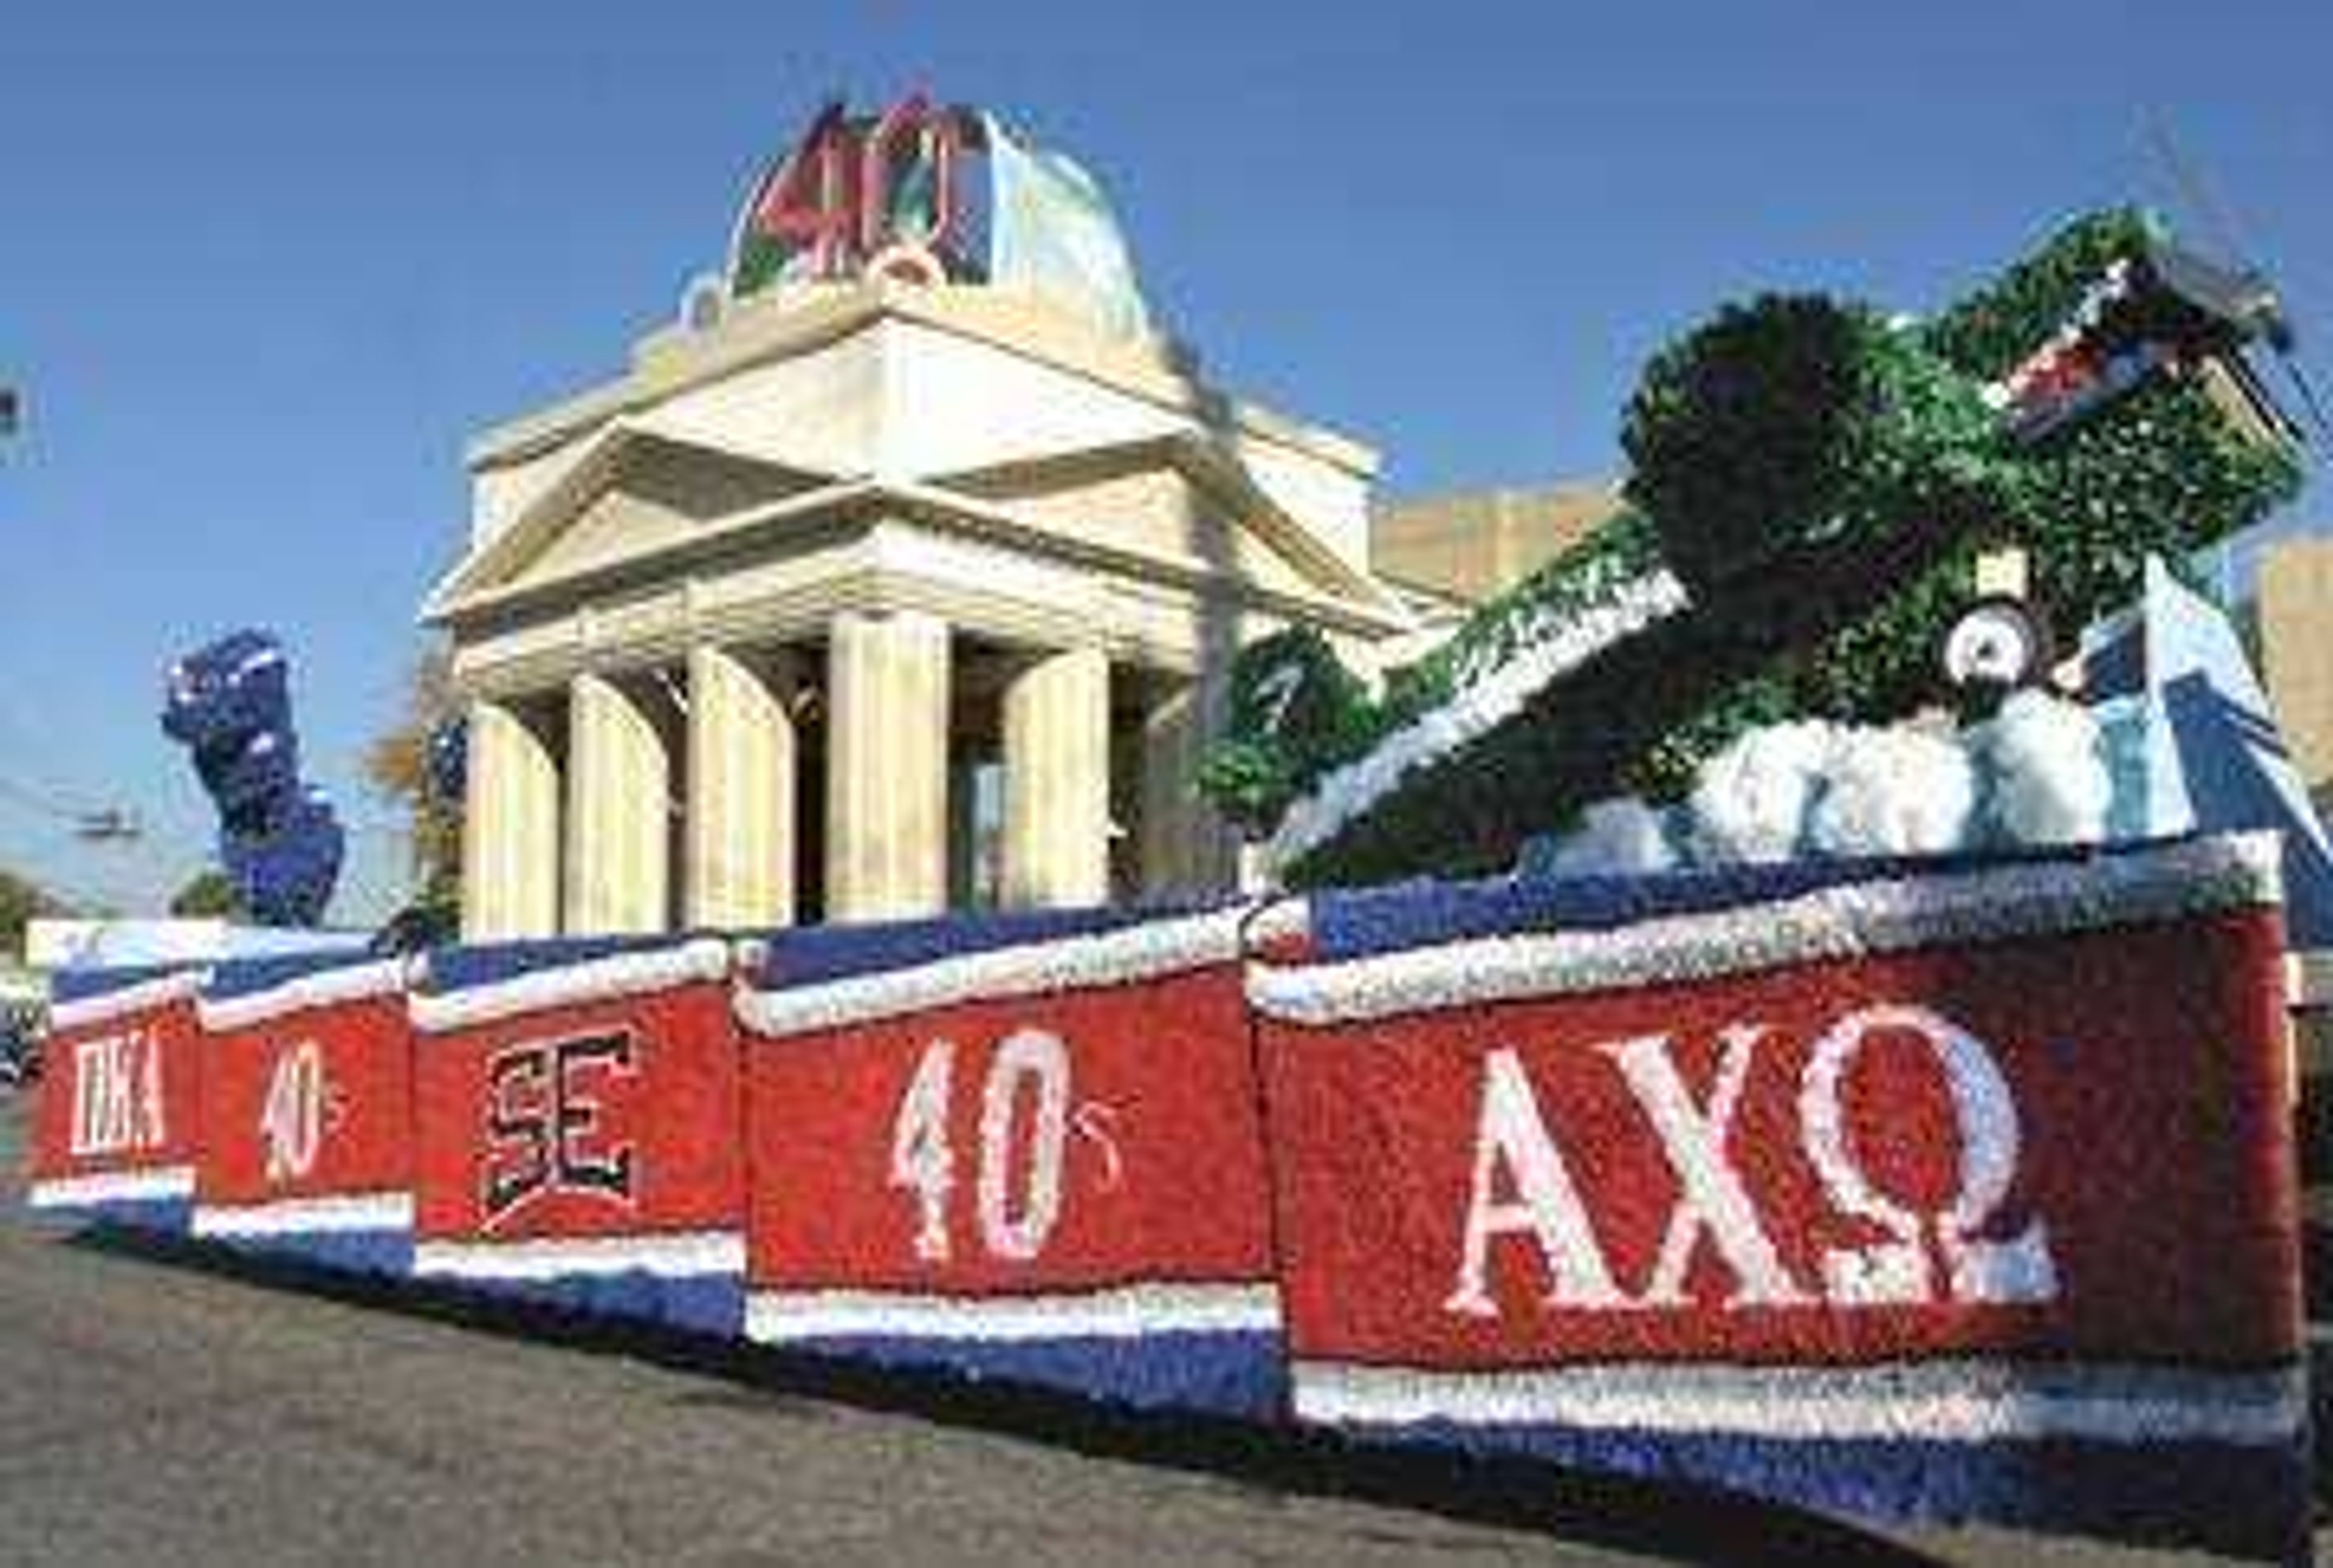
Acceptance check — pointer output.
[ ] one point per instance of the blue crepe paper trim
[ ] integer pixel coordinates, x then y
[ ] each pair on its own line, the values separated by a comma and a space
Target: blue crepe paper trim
79, 985
388, 1252
245, 977
701, 1304
808, 955
158, 1215
490, 963
2233, 1499
1357, 923
1231, 1374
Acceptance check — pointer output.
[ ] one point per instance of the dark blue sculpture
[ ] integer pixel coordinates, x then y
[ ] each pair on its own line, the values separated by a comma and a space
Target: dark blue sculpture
230, 703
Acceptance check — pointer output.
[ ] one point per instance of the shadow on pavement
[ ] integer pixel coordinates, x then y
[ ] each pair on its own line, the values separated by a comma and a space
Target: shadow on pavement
1617, 1512
2317, 1276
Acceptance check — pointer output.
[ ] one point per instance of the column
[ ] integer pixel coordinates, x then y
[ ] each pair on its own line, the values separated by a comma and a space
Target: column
510, 830
739, 870
1186, 849
886, 756
619, 823
1056, 847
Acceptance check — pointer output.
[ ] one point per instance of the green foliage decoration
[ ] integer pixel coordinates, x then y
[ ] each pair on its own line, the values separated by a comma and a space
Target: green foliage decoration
1791, 427
1296, 711
1623, 547
1823, 480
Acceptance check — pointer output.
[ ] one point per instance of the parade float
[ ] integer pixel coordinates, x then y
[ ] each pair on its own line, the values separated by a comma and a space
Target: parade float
1872, 1092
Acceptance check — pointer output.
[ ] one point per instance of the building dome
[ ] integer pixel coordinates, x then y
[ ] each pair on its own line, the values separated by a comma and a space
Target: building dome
934, 194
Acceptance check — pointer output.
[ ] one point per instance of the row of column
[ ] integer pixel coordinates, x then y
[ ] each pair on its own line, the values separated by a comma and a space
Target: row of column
591, 848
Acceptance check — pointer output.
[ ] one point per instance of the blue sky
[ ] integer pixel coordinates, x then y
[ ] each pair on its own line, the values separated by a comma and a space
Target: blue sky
263, 267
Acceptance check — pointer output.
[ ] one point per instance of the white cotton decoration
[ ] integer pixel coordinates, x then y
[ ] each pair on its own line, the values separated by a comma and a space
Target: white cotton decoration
1893, 792
1619, 837
1749, 802
2046, 777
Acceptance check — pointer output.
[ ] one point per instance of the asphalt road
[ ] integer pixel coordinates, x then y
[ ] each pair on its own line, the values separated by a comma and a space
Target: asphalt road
157, 1407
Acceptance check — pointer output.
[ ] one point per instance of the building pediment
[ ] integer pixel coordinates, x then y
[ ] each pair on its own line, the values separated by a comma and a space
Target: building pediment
645, 505
636, 493
1180, 501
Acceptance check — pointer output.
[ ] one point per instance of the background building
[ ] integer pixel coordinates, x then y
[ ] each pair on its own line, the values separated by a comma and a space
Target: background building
1469, 546
2294, 609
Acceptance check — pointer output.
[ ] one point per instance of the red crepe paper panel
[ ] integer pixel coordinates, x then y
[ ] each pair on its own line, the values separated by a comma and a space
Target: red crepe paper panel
605, 1118
314, 1103
2149, 1163
1069, 1141
120, 1095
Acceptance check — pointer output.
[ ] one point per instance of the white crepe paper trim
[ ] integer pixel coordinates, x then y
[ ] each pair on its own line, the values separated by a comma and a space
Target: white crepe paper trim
600, 979
320, 988
158, 992
2000, 903
1476, 706
1036, 968
1970, 1400
1131, 1311
333, 1215
1282, 919
682, 1253
158, 1184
